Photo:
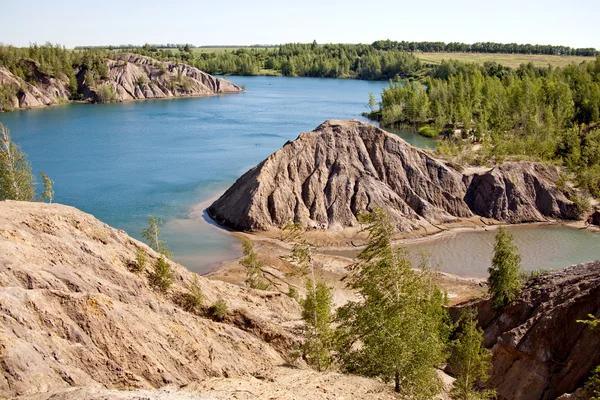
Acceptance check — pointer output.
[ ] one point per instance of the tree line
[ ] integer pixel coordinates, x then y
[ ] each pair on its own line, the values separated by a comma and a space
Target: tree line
545, 113
484, 47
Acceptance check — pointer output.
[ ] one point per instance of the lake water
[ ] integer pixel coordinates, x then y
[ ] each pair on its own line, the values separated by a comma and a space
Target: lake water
121, 162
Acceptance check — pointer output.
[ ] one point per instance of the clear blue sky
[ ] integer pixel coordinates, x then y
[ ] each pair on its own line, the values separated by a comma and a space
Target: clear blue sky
574, 23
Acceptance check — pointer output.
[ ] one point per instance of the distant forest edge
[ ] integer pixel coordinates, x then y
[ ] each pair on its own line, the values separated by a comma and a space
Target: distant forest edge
427, 47
378, 61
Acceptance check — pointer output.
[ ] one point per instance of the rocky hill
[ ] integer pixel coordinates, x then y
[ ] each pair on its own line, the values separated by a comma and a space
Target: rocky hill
129, 77
540, 351
324, 178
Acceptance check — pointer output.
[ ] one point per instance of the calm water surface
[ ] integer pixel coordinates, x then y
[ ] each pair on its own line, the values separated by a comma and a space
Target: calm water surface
121, 162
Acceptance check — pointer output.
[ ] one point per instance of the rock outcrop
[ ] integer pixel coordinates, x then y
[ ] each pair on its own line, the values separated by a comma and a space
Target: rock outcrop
73, 314
326, 177
539, 349
16, 93
130, 76
135, 77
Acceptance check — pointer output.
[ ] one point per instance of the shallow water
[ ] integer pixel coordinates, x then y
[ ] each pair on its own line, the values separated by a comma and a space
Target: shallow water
541, 247
121, 162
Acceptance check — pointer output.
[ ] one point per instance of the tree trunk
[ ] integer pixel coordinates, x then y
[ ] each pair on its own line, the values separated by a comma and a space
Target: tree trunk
397, 382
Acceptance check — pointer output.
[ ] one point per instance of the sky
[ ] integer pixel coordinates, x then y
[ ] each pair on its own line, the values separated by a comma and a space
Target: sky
236, 22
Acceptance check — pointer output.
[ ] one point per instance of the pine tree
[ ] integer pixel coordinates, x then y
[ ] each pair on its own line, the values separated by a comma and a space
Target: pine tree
254, 275
398, 332
48, 193
16, 180
504, 281
469, 360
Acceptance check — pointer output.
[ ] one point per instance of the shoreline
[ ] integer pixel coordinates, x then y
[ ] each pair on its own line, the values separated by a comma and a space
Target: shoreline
71, 102
349, 250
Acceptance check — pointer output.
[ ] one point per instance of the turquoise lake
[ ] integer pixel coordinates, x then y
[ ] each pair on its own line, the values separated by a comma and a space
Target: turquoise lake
171, 158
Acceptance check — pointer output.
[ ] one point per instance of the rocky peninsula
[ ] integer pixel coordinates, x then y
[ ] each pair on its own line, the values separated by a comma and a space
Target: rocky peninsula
326, 177
129, 77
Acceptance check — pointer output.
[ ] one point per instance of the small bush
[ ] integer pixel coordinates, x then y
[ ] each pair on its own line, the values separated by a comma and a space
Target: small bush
139, 264
427, 131
161, 278
582, 204
528, 275
105, 93
218, 311
193, 299
293, 293
141, 80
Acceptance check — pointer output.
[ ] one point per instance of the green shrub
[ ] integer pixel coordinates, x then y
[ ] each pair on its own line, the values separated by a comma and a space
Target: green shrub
139, 264
582, 204
293, 293
218, 311
141, 80
105, 93
161, 278
193, 299
427, 131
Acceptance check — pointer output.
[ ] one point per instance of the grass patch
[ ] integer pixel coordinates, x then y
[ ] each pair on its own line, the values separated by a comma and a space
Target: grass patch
509, 60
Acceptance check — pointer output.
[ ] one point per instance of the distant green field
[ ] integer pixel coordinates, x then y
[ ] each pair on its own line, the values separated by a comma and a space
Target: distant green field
509, 60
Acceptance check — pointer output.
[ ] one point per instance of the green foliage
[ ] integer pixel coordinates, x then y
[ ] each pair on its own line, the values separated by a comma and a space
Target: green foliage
218, 310
105, 93
582, 204
8, 94
193, 299
427, 131
152, 235
528, 275
591, 388
161, 276
399, 330
504, 281
592, 321
139, 265
470, 362
316, 313
48, 193
373, 103
255, 277
16, 179
141, 80
293, 293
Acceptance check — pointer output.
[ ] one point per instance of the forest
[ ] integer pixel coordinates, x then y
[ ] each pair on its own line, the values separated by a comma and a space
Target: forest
488, 113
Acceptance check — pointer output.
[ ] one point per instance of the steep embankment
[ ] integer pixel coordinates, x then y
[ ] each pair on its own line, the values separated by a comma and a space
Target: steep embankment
129, 77
324, 178
540, 351
73, 314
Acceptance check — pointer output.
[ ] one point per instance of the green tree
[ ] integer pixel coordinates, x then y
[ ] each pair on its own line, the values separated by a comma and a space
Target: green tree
372, 102
255, 277
161, 277
504, 281
48, 193
316, 313
470, 362
16, 180
591, 388
399, 330
152, 235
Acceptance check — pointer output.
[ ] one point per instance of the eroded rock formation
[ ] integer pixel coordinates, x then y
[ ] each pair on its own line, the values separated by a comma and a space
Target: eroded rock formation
131, 77
326, 177
540, 351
